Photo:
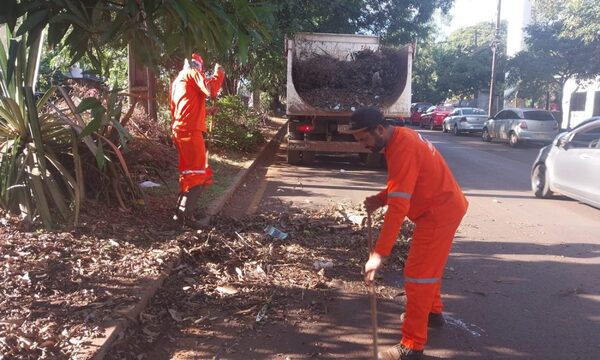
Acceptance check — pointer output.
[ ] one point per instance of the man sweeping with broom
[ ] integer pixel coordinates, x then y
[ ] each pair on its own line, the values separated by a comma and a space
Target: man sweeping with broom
421, 187
188, 108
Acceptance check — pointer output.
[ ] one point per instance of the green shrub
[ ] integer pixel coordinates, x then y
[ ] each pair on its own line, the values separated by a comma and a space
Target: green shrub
234, 126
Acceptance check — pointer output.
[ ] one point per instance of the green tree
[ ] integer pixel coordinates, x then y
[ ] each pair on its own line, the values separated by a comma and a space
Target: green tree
580, 18
397, 22
550, 60
155, 29
459, 66
424, 76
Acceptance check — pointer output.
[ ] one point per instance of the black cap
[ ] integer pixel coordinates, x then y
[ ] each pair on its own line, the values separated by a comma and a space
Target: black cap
365, 119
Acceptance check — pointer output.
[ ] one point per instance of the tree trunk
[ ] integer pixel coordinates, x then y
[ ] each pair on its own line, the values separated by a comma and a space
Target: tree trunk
152, 107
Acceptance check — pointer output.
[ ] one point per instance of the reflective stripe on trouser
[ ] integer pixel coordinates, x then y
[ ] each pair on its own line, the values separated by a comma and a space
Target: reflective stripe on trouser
423, 272
192, 160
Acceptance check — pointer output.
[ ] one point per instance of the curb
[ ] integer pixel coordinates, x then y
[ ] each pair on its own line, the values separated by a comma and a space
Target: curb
98, 347
239, 179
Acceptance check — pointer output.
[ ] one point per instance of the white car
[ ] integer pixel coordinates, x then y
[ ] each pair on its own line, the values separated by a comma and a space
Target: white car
464, 120
571, 165
518, 125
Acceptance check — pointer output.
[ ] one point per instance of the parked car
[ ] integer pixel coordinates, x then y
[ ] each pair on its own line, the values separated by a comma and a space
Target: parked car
434, 116
571, 165
396, 121
518, 125
416, 109
465, 120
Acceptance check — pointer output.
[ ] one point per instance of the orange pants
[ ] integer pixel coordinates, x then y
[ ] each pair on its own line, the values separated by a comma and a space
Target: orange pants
423, 272
193, 168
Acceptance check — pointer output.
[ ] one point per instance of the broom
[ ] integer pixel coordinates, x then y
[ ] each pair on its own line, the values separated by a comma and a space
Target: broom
373, 296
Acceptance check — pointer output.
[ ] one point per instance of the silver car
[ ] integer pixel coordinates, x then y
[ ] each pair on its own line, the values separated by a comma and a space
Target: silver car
520, 125
465, 120
571, 165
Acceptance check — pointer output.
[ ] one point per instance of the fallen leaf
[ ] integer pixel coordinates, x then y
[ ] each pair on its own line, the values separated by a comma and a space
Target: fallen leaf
229, 290
150, 333
247, 311
262, 313
175, 315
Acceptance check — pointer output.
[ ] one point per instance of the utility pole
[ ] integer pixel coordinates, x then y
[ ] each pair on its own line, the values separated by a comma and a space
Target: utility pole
494, 48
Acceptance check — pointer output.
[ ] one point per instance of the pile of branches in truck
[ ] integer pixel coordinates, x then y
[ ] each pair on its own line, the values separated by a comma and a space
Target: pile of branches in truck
370, 78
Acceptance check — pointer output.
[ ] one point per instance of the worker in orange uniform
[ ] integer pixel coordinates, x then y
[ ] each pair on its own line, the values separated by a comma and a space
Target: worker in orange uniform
188, 108
421, 187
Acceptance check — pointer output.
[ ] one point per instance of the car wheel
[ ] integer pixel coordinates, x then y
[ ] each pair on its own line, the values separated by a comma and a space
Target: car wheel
513, 140
485, 135
455, 130
294, 157
539, 182
308, 157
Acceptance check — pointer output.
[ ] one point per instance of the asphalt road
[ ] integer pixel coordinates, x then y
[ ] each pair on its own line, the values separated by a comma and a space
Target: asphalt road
523, 278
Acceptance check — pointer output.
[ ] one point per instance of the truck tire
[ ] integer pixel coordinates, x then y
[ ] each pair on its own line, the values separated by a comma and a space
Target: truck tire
294, 157
308, 157
374, 161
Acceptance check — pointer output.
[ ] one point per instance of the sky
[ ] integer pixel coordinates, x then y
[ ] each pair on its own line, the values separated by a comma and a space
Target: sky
470, 12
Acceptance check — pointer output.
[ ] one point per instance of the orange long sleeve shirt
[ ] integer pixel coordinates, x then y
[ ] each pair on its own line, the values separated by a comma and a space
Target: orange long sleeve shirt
188, 94
420, 186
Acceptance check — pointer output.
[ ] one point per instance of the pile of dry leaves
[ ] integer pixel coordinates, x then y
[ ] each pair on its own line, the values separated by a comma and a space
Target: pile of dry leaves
237, 272
370, 78
59, 287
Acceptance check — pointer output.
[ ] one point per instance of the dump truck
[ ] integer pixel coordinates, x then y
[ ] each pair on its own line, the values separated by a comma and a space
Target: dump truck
319, 105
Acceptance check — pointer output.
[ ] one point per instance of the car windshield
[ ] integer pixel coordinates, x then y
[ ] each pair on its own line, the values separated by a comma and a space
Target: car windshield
473, 112
538, 115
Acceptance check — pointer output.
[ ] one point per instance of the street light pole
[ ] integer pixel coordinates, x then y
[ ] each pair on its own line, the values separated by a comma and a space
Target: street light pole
494, 48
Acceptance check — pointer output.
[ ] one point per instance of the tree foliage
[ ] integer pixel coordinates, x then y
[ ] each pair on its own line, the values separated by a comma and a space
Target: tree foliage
551, 59
459, 66
580, 18
397, 22
154, 28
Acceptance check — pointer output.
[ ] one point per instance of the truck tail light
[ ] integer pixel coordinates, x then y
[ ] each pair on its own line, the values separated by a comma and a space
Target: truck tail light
463, 119
523, 124
305, 128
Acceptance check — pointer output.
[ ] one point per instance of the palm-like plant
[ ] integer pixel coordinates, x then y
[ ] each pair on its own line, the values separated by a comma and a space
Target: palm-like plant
31, 177
41, 162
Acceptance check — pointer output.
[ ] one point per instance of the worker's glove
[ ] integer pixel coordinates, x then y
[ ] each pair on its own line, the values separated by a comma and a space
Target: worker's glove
373, 203
211, 110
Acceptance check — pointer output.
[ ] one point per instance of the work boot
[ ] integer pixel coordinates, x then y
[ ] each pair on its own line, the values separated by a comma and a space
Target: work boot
399, 352
436, 320
186, 203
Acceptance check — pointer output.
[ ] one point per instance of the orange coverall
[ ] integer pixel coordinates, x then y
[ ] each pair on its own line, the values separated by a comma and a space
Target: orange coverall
188, 94
421, 187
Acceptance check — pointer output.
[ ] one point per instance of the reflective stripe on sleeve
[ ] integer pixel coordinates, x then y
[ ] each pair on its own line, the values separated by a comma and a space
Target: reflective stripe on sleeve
400, 195
421, 281
186, 172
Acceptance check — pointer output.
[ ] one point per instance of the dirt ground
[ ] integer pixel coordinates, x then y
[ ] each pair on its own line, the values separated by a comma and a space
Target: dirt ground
59, 287
237, 288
